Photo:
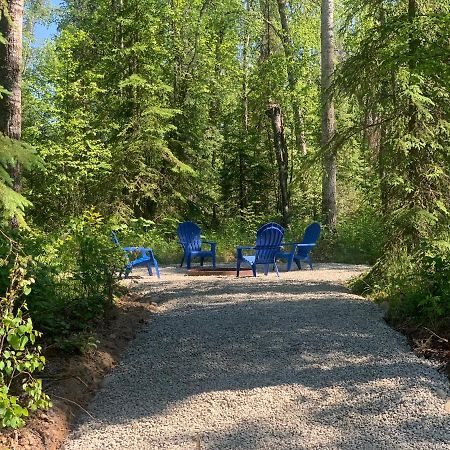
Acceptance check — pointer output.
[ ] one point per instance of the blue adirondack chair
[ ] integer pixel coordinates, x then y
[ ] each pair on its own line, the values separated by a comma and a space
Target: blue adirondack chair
268, 245
190, 240
300, 251
146, 257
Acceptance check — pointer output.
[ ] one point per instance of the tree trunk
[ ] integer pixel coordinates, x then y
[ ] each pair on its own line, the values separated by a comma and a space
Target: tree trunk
384, 188
288, 47
329, 207
375, 142
11, 23
245, 117
413, 45
214, 117
268, 37
418, 194
276, 116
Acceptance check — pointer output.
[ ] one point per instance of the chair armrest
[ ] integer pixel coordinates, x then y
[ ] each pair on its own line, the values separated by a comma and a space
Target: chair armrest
142, 250
212, 244
289, 244
132, 249
245, 247
241, 248
297, 247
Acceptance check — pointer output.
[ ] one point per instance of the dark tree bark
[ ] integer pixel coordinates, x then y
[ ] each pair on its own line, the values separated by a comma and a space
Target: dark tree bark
214, 114
245, 117
413, 45
11, 23
269, 43
384, 188
281, 152
374, 138
416, 195
268, 35
288, 47
329, 204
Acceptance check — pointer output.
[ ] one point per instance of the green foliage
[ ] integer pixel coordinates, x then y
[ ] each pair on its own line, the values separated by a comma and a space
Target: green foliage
390, 74
152, 126
416, 286
359, 238
20, 357
398, 79
13, 204
76, 275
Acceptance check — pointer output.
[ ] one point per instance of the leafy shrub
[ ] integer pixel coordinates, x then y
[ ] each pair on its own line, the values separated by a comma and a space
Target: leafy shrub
415, 285
20, 357
76, 278
359, 239
432, 295
12, 203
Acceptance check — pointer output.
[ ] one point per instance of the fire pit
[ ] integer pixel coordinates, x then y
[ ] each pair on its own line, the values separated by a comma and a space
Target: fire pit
218, 271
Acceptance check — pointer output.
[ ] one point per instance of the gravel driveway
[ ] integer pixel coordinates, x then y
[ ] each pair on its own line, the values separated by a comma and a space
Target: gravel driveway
266, 363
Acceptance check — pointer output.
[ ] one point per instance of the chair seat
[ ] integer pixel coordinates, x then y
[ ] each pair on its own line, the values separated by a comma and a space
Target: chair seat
249, 259
141, 260
201, 253
146, 258
252, 259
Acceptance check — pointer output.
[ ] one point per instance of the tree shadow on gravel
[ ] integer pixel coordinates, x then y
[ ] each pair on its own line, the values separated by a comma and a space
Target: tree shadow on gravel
253, 436
167, 292
312, 336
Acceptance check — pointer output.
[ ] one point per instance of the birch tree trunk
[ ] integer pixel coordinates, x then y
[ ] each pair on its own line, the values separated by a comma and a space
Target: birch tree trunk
281, 152
288, 47
11, 23
329, 207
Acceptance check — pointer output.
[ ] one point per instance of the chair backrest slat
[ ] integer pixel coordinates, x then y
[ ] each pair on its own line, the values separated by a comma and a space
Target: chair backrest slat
310, 236
269, 225
269, 237
189, 235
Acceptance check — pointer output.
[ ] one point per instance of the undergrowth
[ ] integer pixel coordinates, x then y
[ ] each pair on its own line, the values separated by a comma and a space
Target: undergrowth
20, 355
416, 286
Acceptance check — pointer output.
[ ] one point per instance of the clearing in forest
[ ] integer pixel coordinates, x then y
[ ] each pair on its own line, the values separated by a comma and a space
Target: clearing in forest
295, 362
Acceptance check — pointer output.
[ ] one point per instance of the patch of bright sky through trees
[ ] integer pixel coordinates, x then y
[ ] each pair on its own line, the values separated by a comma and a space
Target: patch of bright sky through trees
43, 32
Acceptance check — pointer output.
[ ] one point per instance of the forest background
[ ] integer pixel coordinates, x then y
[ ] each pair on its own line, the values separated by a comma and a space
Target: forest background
139, 114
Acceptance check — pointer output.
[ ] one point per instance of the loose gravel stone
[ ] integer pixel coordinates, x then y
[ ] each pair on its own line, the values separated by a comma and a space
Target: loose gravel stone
276, 364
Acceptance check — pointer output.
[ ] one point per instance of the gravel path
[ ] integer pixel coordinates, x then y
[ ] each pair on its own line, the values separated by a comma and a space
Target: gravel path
274, 364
